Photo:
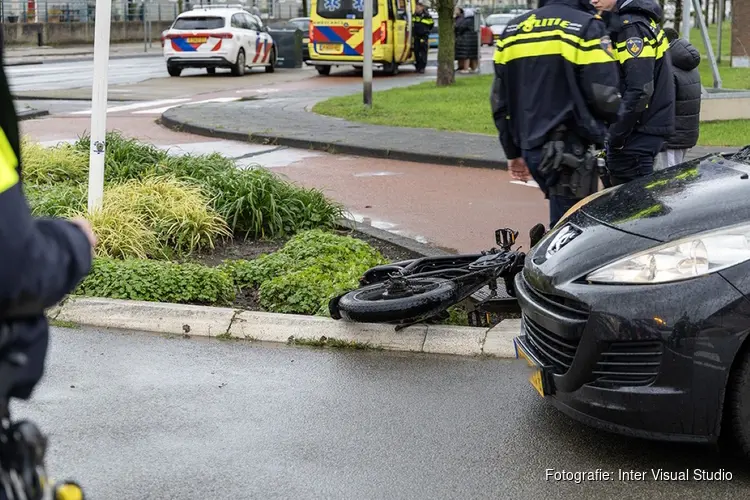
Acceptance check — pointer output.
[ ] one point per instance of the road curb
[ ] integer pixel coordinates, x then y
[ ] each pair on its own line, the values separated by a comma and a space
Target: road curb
402, 242
31, 114
78, 57
222, 322
329, 147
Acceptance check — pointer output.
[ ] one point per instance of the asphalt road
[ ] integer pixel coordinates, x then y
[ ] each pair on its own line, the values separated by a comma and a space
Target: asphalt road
69, 75
141, 417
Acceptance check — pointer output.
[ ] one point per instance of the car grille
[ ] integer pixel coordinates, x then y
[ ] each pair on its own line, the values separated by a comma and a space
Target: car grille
555, 350
561, 305
629, 364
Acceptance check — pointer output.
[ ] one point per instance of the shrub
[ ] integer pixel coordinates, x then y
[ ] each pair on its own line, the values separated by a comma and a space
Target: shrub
255, 202
157, 217
56, 200
157, 281
303, 275
61, 163
121, 234
177, 212
125, 158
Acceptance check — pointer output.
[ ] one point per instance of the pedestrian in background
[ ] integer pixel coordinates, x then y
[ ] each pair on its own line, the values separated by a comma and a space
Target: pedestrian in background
423, 24
466, 39
688, 89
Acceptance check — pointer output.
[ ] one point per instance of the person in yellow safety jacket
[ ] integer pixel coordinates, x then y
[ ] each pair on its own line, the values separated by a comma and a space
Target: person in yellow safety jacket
423, 24
555, 92
43, 259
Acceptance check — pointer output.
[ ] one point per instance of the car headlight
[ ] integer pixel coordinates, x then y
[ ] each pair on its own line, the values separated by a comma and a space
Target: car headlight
683, 259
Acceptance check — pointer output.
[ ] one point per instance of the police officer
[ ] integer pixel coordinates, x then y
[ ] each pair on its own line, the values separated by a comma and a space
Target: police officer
556, 89
647, 113
423, 23
42, 261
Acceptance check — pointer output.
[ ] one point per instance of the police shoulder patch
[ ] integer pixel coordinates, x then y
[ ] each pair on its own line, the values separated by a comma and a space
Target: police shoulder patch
606, 44
634, 46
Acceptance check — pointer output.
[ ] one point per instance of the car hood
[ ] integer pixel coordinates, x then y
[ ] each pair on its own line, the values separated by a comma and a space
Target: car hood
497, 29
696, 196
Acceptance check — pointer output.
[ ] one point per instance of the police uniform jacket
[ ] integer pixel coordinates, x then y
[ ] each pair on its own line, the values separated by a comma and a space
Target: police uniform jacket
42, 259
423, 24
554, 65
648, 92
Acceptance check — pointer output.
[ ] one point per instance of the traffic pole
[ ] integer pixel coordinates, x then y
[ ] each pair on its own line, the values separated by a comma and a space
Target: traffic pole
99, 103
367, 59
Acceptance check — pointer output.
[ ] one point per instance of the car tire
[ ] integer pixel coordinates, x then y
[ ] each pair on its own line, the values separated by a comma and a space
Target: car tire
737, 409
174, 70
211, 71
366, 305
272, 66
238, 68
323, 70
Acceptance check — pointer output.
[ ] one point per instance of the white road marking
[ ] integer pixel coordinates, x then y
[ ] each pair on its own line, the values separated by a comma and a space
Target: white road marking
277, 159
230, 149
256, 91
376, 174
159, 111
529, 183
137, 105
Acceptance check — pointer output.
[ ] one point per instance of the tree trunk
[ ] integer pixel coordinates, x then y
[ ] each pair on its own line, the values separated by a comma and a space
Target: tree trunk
447, 44
705, 11
678, 15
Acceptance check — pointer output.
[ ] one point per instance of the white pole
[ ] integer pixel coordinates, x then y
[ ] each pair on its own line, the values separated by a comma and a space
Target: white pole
367, 51
99, 103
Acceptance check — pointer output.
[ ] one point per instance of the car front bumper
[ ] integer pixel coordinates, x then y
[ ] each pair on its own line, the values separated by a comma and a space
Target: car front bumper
650, 361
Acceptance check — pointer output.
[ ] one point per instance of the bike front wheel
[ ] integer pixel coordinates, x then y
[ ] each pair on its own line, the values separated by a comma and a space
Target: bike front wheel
388, 302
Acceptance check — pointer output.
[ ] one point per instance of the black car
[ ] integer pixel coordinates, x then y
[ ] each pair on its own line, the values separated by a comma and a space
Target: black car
636, 306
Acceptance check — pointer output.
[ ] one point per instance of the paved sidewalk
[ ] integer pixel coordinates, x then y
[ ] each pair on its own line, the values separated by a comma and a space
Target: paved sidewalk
22, 55
285, 119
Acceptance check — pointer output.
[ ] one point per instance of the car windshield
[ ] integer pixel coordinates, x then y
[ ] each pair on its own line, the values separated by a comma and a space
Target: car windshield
344, 9
496, 20
198, 23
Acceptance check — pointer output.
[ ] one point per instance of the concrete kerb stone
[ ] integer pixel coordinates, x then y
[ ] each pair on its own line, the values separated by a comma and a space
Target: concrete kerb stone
330, 147
204, 321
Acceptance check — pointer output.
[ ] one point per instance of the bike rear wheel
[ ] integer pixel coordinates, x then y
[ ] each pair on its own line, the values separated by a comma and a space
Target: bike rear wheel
398, 301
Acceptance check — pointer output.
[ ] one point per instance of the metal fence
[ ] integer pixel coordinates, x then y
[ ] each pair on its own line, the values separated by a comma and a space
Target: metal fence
56, 11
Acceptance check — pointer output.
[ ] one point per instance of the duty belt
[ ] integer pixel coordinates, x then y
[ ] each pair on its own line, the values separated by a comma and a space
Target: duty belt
568, 165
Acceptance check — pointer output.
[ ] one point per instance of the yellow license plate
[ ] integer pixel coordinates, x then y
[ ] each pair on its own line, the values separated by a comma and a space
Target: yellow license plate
330, 48
536, 374
196, 39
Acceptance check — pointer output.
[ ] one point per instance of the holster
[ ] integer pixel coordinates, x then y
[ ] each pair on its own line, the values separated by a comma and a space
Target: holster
568, 165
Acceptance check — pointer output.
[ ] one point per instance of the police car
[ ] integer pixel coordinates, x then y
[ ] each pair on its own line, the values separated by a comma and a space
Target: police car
218, 36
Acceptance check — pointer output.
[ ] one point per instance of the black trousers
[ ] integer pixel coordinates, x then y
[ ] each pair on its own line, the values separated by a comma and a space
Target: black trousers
420, 52
634, 160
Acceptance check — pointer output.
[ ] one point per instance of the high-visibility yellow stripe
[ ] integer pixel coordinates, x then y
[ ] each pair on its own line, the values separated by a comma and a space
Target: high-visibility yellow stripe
541, 34
8, 164
574, 55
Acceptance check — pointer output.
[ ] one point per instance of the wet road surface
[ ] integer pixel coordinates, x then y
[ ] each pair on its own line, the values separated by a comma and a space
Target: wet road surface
149, 417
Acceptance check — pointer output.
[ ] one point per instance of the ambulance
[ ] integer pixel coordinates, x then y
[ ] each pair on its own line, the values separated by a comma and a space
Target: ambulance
337, 35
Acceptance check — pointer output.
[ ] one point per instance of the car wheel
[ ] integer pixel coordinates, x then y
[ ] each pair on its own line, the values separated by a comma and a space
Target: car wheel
737, 409
368, 304
323, 70
272, 66
211, 71
238, 69
174, 70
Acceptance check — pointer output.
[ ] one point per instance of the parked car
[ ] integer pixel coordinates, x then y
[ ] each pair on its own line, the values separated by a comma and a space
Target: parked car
218, 37
486, 33
434, 36
303, 23
496, 23
636, 306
